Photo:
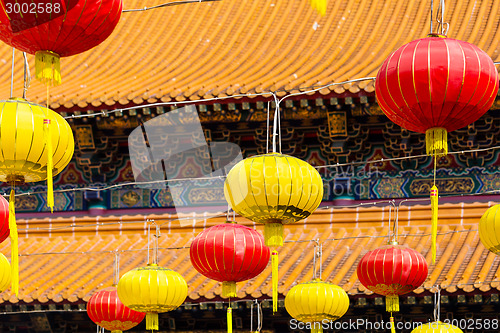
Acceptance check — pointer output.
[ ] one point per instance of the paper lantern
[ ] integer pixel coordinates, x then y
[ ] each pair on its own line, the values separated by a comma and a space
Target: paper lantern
152, 289
229, 253
5, 273
489, 229
106, 310
53, 29
437, 327
392, 270
315, 301
273, 189
435, 85
37, 143
4, 219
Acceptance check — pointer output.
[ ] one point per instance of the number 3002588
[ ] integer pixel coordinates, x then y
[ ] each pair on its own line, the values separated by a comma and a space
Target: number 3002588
33, 8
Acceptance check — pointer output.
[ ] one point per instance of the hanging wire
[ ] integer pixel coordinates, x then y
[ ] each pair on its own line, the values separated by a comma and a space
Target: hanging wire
432, 16
116, 272
27, 76
168, 4
437, 303
12, 74
157, 240
149, 240
267, 127
390, 220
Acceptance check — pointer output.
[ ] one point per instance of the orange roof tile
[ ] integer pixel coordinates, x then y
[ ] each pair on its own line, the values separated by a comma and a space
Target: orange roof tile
226, 48
75, 257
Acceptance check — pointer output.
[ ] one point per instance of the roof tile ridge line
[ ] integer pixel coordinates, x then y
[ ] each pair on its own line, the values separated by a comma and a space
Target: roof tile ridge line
271, 60
381, 44
476, 27
170, 45
298, 42
180, 69
254, 66
102, 80
227, 66
321, 69
365, 48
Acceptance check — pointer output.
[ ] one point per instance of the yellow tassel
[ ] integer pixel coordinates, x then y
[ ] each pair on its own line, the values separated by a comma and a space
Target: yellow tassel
274, 266
436, 141
319, 6
434, 208
50, 165
393, 328
48, 68
152, 321
392, 303
316, 327
273, 234
229, 289
116, 331
229, 320
14, 256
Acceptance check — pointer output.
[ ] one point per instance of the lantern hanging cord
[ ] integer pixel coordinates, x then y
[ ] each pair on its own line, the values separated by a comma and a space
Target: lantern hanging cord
432, 15
168, 4
267, 127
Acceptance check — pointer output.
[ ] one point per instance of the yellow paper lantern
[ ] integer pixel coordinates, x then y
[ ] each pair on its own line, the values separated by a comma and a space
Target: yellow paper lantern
36, 144
152, 289
489, 229
437, 327
4, 273
273, 189
315, 302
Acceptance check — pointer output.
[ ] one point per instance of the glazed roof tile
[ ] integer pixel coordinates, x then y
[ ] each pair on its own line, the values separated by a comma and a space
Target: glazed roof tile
228, 48
68, 259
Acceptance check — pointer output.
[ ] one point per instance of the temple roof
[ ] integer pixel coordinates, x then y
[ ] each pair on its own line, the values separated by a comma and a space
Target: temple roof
67, 259
228, 48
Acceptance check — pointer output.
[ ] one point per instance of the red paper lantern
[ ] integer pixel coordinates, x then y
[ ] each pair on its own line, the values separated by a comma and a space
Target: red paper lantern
434, 85
391, 271
106, 310
57, 28
4, 219
229, 253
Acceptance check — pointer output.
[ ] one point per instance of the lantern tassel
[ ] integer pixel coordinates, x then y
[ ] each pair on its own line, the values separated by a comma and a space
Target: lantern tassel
319, 6
274, 266
434, 208
116, 331
316, 327
14, 258
50, 165
392, 303
273, 234
228, 289
48, 68
229, 319
152, 321
393, 328
436, 141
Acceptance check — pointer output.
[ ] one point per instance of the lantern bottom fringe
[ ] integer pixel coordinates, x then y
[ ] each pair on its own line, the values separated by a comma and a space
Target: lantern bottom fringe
273, 234
436, 141
229, 320
14, 258
152, 321
50, 163
48, 68
116, 331
228, 289
274, 272
316, 327
392, 303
